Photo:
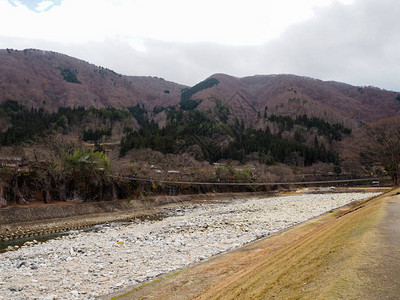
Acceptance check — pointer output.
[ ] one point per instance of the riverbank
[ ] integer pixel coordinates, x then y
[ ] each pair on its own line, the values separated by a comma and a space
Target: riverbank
89, 264
18, 222
351, 253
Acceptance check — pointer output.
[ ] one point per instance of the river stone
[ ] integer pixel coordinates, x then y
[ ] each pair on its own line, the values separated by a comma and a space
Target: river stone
161, 246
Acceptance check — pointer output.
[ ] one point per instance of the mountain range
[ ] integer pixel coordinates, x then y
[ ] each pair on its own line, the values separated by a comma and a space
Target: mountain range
50, 80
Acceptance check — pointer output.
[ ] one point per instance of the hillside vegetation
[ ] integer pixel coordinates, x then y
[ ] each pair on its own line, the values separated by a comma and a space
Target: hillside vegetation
210, 132
49, 80
273, 128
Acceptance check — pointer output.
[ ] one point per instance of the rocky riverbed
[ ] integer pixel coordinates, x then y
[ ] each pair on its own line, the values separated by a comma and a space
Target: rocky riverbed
88, 264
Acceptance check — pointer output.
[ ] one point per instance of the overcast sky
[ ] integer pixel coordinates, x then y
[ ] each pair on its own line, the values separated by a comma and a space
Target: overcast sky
353, 41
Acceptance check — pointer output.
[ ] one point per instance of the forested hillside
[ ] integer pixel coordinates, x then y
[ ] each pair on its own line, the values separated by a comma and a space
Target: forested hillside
66, 126
49, 80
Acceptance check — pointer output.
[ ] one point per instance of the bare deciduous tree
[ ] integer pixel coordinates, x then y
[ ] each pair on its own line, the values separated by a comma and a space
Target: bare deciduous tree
381, 145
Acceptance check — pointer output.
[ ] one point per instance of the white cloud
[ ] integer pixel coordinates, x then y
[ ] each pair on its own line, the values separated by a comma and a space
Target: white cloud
351, 41
44, 5
228, 22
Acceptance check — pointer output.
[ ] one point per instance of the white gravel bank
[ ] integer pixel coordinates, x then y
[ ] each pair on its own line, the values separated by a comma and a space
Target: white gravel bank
89, 264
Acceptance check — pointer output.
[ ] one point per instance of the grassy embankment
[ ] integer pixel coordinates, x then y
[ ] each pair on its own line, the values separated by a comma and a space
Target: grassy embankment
322, 259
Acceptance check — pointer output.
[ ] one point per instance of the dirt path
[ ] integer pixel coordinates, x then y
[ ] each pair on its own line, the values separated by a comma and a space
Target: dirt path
381, 268
352, 253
